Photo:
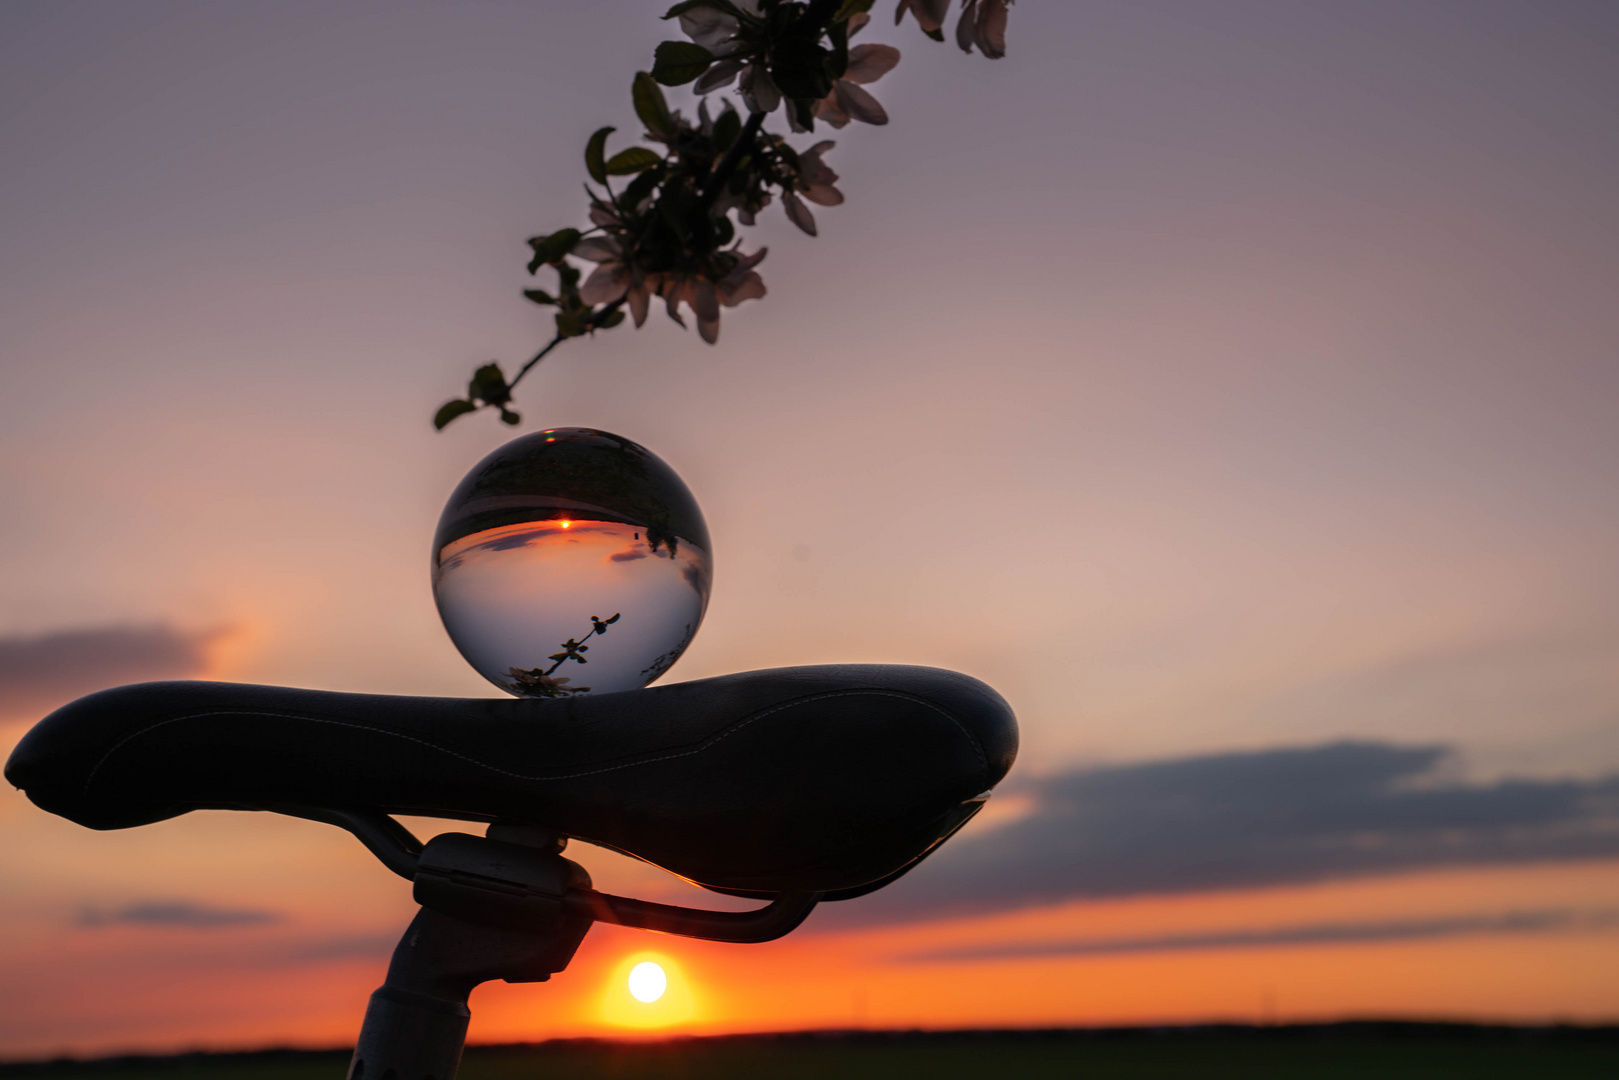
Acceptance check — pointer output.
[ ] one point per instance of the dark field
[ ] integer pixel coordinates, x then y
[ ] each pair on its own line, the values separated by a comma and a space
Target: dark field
1384, 1051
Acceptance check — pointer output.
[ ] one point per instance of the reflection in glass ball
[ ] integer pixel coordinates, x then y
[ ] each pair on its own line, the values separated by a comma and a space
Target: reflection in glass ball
571, 561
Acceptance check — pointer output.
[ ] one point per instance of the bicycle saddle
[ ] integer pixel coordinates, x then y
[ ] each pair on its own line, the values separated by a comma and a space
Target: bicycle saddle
812, 779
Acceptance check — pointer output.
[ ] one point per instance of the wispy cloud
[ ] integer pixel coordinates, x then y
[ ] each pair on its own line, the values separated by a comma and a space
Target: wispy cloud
175, 913
1346, 933
346, 947
45, 671
1244, 820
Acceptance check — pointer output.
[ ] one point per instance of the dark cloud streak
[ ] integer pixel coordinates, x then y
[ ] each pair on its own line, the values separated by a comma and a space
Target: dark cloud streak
38, 673
1247, 820
1517, 922
179, 914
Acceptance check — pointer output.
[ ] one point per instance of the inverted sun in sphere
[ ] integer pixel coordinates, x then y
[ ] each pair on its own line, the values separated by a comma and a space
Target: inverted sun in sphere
647, 982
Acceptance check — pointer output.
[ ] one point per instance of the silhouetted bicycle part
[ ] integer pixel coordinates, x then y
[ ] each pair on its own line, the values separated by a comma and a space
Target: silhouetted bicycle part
793, 785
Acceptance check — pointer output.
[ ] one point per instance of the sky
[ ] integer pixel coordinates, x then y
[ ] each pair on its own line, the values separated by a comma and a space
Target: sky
1232, 384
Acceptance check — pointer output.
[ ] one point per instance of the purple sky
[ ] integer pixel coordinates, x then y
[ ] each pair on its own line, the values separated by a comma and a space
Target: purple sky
1207, 376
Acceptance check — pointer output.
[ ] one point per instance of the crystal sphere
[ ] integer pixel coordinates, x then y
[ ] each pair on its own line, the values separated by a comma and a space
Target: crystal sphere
571, 561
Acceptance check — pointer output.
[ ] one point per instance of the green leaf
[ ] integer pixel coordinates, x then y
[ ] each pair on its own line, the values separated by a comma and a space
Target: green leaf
676, 63
852, 7
726, 129
570, 325
539, 296
488, 385
650, 106
510, 417
636, 191
635, 159
450, 410
595, 151
611, 320
551, 249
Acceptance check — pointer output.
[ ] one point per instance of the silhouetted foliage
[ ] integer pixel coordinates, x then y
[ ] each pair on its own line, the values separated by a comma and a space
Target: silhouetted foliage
670, 232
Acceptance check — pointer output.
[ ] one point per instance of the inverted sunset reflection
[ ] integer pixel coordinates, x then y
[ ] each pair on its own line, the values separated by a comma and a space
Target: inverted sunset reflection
565, 606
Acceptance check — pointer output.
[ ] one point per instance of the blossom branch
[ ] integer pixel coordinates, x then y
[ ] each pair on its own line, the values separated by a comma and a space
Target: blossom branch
669, 233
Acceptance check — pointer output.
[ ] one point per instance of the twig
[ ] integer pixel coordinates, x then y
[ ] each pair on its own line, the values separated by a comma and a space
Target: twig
733, 156
595, 320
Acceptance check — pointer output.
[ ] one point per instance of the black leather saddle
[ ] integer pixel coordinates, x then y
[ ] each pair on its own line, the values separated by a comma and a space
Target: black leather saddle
831, 779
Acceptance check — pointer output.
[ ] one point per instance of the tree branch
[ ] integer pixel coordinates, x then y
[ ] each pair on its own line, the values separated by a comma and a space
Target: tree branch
595, 320
727, 166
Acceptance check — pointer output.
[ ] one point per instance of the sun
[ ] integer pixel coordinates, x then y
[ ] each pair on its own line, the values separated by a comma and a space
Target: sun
647, 982
647, 990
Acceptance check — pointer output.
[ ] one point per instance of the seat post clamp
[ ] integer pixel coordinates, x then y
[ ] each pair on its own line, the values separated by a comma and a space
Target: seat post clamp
496, 883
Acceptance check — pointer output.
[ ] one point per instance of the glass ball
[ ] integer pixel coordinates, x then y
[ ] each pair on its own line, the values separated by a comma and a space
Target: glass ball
571, 561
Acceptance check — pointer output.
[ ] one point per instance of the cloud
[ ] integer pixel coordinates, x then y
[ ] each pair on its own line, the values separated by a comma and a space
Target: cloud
1245, 820
1517, 922
38, 673
176, 913
349, 947
627, 556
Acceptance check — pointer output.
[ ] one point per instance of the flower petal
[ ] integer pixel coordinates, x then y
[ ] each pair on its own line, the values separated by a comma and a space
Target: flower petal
751, 287
868, 63
758, 90
702, 298
671, 300
827, 109
798, 213
967, 26
858, 103
823, 195
597, 249
709, 328
708, 27
720, 73
929, 13
606, 283
748, 262
639, 298
992, 28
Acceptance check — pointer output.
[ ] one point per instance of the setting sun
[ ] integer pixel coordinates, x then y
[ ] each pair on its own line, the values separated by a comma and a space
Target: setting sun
647, 982
647, 991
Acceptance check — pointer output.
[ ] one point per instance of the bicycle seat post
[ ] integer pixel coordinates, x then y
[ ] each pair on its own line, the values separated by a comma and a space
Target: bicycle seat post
491, 909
